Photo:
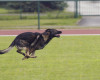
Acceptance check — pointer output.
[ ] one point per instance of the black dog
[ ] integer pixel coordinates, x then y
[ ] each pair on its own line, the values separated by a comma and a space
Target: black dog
30, 42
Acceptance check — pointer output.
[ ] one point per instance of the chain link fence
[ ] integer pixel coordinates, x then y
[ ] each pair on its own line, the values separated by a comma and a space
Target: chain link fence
47, 14
52, 13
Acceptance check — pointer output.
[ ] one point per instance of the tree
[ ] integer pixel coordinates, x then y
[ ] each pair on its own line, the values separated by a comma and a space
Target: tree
32, 6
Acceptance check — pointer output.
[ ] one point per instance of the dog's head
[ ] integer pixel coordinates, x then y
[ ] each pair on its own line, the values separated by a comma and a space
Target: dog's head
53, 32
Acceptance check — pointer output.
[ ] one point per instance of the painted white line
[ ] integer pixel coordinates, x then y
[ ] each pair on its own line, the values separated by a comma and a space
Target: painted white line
8, 35
78, 34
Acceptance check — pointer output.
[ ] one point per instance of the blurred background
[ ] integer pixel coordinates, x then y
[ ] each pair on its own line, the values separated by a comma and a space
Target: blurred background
65, 14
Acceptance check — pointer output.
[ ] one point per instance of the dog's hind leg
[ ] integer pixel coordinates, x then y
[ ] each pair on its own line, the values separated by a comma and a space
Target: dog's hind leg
19, 51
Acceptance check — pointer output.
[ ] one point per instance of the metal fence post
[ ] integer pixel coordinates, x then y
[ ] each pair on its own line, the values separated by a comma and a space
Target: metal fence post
20, 11
38, 14
76, 9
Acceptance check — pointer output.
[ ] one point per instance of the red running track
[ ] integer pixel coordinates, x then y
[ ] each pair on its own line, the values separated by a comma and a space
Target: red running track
64, 31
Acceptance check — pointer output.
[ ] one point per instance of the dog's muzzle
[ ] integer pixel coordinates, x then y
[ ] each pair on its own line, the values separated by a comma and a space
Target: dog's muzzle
58, 34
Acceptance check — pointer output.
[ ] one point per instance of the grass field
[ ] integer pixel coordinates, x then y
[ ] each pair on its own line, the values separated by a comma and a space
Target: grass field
10, 19
13, 24
65, 58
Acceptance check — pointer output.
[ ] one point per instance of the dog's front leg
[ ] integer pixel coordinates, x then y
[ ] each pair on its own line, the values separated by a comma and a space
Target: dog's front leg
27, 54
33, 55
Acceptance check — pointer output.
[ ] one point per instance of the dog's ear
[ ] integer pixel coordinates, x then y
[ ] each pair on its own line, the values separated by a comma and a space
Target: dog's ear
45, 35
47, 30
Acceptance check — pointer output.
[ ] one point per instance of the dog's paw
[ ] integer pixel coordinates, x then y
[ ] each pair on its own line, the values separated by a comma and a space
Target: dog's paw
33, 56
24, 58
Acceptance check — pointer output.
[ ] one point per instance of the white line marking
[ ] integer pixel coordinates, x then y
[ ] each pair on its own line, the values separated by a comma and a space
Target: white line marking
8, 35
78, 34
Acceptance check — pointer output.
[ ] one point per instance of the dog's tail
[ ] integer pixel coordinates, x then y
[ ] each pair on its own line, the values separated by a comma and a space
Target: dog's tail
8, 49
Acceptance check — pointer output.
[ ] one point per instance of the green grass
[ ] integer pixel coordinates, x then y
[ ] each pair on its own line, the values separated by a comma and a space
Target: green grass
7, 11
8, 24
68, 57
11, 19
3, 11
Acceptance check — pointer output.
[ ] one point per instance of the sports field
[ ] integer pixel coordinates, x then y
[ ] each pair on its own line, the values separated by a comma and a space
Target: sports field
65, 58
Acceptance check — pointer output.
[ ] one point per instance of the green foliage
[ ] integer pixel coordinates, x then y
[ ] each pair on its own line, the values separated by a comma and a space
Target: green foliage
68, 57
32, 6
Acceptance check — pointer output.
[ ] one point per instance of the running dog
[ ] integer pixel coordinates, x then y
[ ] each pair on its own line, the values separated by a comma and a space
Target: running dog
30, 42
